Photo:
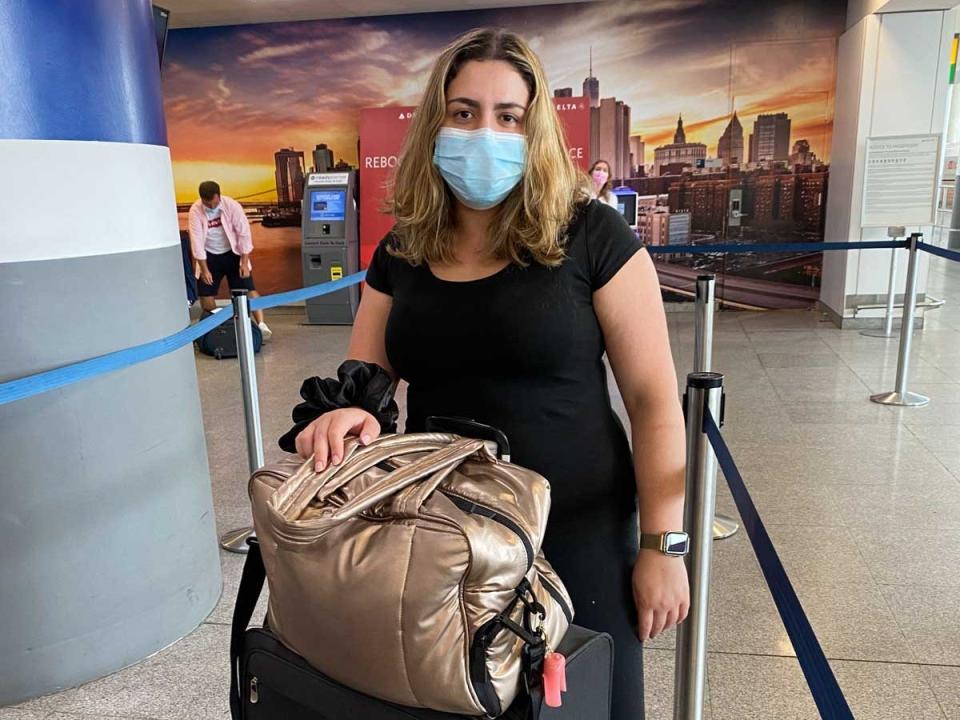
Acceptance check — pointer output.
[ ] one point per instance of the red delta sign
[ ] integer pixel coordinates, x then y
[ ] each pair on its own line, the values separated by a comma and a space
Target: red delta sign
574, 113
381, 136
382, 131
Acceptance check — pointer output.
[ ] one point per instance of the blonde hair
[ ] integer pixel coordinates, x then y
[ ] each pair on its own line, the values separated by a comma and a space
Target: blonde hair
530, 222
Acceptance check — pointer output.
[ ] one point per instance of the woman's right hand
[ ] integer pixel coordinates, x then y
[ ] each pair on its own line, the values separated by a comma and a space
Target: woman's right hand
323, 438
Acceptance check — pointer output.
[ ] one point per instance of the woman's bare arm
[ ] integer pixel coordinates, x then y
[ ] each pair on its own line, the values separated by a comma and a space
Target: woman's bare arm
323, 438
367, 342
630, 310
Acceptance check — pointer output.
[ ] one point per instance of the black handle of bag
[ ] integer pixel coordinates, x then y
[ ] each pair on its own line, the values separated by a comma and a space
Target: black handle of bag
471, 429
251, 585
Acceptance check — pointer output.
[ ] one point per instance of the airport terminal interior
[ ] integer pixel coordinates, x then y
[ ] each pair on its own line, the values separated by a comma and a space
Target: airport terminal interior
790, 169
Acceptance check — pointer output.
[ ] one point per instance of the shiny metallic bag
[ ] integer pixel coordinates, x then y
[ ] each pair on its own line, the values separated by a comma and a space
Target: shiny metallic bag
412, 570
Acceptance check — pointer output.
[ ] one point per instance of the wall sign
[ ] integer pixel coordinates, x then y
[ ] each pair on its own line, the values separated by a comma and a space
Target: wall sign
900, 180
328, 178
574, 113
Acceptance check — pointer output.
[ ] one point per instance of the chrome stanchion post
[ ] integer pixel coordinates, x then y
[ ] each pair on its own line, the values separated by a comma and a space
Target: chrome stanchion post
893, 233
704, 391
703, 323
723, 526
236, 540
900, 396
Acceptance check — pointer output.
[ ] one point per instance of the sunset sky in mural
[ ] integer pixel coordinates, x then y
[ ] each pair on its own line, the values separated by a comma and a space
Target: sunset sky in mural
234, 95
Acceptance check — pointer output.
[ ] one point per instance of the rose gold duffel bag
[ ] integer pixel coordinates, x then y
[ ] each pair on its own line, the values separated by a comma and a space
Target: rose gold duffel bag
412, 571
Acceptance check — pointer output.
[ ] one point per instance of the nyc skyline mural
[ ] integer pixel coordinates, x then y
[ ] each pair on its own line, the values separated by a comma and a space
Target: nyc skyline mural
235, 95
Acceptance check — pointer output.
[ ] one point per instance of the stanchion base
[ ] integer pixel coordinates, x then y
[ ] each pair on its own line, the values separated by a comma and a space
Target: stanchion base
235, 541
724, 527
908, 399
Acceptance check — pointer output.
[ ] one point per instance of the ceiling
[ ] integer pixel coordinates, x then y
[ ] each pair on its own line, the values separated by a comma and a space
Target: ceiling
200, 13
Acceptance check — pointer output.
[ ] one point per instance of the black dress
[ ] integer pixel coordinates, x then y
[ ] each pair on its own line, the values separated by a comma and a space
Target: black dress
522, 350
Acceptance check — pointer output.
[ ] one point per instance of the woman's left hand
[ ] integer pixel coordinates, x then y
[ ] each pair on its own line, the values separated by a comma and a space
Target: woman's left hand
660, 591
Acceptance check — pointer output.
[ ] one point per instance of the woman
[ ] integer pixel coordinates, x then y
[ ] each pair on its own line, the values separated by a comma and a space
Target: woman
494, 298
600, 190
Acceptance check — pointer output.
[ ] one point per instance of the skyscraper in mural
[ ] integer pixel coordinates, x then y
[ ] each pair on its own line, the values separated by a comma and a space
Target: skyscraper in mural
770, 139
609, 127
730, 146
638, 150
674, 157
613, 136
802, 154
322, 158
591, 86
289, 174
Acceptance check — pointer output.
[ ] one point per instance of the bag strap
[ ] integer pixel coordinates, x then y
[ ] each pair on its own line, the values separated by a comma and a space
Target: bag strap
395, 481
534, 650
251, 585
303, 486
533, 657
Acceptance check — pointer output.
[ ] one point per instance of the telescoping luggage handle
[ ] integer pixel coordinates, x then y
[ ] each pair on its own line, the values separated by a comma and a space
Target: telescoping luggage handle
470, 428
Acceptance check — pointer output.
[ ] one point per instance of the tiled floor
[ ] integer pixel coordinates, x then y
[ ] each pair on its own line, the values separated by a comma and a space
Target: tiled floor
862, 502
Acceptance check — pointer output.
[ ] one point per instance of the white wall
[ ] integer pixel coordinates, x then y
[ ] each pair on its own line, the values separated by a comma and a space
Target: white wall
891, 80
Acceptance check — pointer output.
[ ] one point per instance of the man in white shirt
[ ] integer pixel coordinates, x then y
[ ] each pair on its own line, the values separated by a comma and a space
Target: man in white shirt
221, 243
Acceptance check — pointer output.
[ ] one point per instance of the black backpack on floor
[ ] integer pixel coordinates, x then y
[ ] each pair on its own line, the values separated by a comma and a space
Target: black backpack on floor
221, 342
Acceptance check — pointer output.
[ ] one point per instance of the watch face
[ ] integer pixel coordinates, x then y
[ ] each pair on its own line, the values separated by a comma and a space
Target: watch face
676, 543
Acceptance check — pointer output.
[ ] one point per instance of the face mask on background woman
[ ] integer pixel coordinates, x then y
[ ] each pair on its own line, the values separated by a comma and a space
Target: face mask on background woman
480, 166
600, 177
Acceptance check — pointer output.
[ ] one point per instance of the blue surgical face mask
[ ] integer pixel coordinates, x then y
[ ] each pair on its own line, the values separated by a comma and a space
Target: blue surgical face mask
480, 166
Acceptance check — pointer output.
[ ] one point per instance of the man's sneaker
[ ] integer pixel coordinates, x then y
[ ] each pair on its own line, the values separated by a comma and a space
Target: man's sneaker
265, 331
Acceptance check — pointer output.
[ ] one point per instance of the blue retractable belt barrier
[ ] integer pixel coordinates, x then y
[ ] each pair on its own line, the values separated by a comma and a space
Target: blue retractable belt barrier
942, 252
52, 379
820, 678
774, 247
69, 374
312, 291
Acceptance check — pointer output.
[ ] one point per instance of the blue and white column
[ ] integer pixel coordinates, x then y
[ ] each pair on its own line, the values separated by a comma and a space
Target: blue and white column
107, 543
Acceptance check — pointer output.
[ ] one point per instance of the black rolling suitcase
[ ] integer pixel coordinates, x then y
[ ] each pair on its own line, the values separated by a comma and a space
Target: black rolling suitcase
221, 342
270, 682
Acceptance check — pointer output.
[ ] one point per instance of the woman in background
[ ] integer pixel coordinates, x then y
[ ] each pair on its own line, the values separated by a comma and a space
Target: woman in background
601, 183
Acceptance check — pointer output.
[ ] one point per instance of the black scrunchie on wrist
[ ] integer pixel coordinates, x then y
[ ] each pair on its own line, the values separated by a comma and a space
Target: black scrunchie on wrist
358, 384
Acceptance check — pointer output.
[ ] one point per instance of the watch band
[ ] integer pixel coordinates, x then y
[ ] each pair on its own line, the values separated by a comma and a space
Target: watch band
651, 541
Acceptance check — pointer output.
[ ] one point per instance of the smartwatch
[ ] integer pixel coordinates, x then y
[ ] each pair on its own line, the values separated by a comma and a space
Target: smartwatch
674, 544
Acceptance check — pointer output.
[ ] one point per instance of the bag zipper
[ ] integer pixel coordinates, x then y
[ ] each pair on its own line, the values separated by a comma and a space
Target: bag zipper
254, 690
555, 593
473, 508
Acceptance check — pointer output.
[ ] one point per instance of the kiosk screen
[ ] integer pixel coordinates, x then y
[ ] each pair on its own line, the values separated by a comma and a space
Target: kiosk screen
328, 205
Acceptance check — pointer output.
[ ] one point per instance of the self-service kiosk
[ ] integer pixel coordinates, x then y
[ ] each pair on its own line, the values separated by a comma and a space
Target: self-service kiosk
330, 245
627, 204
